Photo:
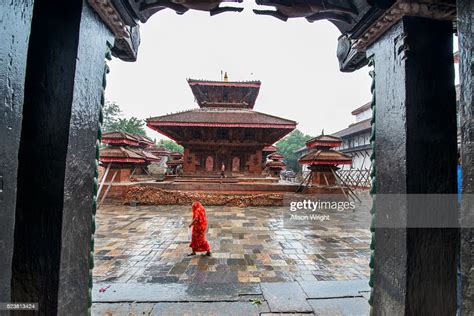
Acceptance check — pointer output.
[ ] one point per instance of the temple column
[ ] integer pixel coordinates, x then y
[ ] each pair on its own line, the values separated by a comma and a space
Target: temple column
16, 24
415, 150
465, 9
57, 157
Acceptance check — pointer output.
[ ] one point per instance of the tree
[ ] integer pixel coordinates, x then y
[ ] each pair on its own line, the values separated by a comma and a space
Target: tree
111, 113
171, 145
291, 143
112, 121
132, 125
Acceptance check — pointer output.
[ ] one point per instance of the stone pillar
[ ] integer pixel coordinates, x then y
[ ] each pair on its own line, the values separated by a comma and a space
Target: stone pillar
56, 161
465, 11
415, 268
15, 20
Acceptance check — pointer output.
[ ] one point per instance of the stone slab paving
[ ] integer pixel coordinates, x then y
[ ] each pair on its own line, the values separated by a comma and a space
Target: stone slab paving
285, 297
353, 306
148, 244
185, 309
175, 292
288, 298
329, 289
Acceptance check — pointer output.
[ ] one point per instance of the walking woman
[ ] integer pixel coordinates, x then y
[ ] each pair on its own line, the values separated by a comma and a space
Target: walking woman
199, 224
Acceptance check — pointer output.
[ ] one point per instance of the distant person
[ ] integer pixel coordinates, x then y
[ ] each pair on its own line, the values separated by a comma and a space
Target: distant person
222, 170
199, 224
179, 170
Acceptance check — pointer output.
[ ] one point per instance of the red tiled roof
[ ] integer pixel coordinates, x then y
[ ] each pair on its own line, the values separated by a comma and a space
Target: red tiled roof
325, 157
269, 149
175, 162
120, 154
176, 155
225, 93
275, 156
120, 137
324, 140
221, 117
275, 164
144, 140
147, 155
158, 151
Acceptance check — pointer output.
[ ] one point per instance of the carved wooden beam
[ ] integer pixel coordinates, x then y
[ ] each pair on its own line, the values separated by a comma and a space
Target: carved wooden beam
426, 9
107, 12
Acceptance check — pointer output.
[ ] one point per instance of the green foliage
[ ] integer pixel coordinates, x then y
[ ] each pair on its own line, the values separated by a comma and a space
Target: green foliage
111, 112
288, 145
113, 122
132, 125
171, 145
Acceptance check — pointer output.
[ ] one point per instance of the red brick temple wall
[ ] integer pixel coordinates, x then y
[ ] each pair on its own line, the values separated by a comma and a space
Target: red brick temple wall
189, 158
195, 161
318, 178
123, 175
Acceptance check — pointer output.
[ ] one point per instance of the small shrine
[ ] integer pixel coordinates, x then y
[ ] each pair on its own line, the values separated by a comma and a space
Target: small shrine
126, 154
323, 161
160, 152
275, 164
175, 163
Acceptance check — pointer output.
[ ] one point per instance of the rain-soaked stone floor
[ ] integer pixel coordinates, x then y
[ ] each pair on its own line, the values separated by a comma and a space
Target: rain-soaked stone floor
148, 245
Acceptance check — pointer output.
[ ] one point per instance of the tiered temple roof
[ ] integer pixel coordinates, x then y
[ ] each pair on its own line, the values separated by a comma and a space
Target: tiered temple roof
224, 129
269, 149
276, 161
222, 105
323, 154
121, 155
176, 159
324, 141
123, 147
225, 93
158, 151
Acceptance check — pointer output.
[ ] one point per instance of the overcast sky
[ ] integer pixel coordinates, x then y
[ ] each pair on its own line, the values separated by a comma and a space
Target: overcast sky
295, 60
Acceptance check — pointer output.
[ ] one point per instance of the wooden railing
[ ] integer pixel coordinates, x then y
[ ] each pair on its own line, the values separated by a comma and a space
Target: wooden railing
356, 178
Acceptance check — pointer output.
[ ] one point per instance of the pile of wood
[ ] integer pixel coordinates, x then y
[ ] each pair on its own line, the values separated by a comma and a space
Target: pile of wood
154, 196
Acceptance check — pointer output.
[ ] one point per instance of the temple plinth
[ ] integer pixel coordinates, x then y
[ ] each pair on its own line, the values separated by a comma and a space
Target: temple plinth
323, 160
223, 130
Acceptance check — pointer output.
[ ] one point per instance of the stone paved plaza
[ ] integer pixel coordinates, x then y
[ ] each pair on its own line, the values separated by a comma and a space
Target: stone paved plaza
149, 244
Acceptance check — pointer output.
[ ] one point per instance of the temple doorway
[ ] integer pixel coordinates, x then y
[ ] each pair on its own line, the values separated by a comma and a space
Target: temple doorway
235, 164
209, 164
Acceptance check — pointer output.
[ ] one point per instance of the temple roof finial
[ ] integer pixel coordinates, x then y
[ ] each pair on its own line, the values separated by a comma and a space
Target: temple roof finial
226, 78
322, 132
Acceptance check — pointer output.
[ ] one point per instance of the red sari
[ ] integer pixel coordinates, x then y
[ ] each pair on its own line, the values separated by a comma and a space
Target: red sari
198, 240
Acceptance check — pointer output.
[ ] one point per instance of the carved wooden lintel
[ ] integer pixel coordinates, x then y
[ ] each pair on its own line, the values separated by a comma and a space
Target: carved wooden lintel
436, 10
109, 15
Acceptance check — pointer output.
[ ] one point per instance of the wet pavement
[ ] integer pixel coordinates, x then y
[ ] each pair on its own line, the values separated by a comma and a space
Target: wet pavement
289, 298
149, 244
142, 267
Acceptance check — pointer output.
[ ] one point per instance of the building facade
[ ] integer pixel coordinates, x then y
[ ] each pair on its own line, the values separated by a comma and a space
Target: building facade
356, 139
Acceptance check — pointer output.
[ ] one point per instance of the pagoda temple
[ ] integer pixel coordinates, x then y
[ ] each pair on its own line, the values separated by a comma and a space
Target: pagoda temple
323, 161
275, 164
224, 129
125, 153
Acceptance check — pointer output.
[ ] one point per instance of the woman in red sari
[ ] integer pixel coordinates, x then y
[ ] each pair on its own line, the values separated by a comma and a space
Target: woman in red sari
199, 224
